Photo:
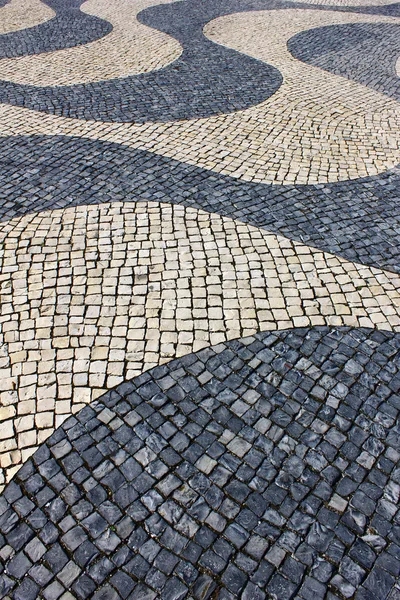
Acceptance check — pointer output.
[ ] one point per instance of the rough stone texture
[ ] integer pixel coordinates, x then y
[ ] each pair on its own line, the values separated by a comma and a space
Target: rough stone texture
22, 14
68, 27
126, 48
223, 81
265, 468
262, 468
316, 128
365, 53
94, 295
357, 220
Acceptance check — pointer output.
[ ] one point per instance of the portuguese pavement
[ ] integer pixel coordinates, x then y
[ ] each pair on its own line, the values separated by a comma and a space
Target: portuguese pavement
199, 299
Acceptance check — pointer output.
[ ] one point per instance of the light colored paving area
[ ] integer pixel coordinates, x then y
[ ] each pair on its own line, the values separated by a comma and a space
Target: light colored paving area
318, 127
92, 296
20, 14
129, 49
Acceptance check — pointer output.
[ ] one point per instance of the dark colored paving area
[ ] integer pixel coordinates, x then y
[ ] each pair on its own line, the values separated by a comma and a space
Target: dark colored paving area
358, 220
266, 467
70, 27
366, 53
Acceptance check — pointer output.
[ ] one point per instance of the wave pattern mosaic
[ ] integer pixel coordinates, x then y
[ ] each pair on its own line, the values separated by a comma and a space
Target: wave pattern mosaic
199, 300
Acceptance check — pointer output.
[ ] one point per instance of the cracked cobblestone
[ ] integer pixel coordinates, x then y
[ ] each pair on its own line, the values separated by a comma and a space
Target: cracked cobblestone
261, 468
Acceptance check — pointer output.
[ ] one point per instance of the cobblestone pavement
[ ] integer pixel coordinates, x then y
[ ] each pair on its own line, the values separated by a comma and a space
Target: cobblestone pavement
199, 300
16, 15
92, 296
129, 47
369, 63
261, 468
362, 224
64, 27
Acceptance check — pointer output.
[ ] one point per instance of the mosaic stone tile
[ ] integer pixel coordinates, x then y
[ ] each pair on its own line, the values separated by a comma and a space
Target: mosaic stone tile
345, 130
262, 468
65, 26
129, 48
357, 220
303, 130
206, 80
20, 14
92, 296
366, 53
231, 190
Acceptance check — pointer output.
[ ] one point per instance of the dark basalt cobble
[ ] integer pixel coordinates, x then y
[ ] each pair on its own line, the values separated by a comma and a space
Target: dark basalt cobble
266, 467
366, 53
70, 27
357, 219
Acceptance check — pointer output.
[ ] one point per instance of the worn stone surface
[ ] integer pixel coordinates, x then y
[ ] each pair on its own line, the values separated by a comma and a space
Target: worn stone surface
92, 296
358, 220
261, 468
174, 177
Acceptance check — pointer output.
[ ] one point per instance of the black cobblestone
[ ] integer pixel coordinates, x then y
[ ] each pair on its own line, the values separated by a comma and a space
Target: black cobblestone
267, 520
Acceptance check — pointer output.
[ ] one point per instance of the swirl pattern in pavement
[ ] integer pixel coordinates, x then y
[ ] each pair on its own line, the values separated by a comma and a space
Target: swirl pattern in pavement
92, 296
366, 53
235, 190
357, 220
65, 26
128, 48
206, 80
327, 129
262, 468
22, 14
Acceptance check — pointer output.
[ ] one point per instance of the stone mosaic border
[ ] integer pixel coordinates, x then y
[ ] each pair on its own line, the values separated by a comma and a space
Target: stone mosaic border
266, 467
